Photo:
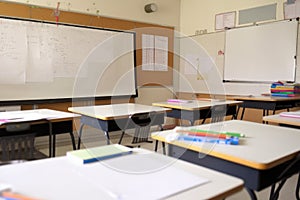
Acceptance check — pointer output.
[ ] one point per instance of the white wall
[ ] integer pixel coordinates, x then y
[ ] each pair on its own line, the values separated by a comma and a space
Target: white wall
167, 13
200, 14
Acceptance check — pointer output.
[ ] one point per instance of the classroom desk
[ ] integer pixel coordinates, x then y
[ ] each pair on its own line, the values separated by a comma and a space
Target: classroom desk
196, 110
111, 178
267, 103
284, 121
259, 158
113, 117
56, 122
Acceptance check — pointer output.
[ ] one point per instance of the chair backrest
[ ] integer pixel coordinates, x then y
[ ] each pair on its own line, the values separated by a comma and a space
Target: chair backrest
141, 119
18, 144
218, 113
142, 123
17, 147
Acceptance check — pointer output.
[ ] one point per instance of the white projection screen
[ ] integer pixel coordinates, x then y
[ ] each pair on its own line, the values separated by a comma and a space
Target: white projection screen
46, 61
261, 53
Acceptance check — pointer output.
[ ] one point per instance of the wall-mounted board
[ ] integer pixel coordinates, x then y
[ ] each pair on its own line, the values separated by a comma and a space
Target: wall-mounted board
44, 15
51, 61
214, 45
261, 53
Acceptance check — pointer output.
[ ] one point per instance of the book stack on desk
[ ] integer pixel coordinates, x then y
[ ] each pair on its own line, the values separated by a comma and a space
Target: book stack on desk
95, 154
281, 89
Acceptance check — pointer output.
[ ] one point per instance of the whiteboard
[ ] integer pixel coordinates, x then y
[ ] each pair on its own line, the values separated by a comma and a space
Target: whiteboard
261, 53
46, 61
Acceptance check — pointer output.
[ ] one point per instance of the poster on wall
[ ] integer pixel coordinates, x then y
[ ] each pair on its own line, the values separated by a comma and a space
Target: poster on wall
155, 53
291, 10
225, 20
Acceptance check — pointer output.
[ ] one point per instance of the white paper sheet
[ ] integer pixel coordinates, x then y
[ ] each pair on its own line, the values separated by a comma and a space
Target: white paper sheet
147, 52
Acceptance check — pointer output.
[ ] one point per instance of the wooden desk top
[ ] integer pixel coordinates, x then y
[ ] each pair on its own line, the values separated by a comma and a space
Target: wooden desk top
264, 146
36, 114
98, 180
282, 120
195, 104
264, 98
114, 111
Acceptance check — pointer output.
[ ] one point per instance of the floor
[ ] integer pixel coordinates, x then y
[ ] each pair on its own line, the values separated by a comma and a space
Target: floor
93, 137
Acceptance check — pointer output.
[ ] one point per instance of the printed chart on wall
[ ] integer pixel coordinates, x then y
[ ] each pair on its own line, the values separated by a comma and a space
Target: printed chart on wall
45, 61
154, 53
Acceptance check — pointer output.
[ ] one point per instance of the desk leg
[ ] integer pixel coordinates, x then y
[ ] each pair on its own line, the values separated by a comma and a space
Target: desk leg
156, 145
79, 135
162, 143
274, 194
251, 193
53, 145
121, 138
237, 112
73, 140
164, 147
192, 122
50, 139
235, 115
107, 137
298, 187
243, 111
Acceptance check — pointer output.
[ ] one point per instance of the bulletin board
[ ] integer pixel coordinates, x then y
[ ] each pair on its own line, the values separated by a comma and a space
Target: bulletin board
152, 77
39, 92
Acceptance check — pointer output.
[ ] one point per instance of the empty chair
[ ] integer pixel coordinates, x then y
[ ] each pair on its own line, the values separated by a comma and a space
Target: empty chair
217, 113
141, 122
17, 143
17, 147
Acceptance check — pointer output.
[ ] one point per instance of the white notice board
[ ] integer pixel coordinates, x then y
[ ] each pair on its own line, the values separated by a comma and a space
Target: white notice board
261, 53
46, 61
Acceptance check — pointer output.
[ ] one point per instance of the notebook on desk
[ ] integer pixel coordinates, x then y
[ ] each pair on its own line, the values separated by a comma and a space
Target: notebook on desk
95, 154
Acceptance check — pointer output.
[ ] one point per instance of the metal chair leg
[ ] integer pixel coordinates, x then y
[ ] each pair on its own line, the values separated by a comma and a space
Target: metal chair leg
121, 138
251, 193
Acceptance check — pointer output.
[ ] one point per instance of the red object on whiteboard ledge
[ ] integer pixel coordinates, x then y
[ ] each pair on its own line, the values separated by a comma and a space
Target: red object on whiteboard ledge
56, 13
220, 53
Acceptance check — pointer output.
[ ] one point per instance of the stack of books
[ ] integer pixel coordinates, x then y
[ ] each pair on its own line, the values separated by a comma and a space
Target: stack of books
84, 156
281, 89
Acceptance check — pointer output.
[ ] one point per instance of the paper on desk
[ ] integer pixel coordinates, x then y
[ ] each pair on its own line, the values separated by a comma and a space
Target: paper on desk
163, 179
290, 114
9, 117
